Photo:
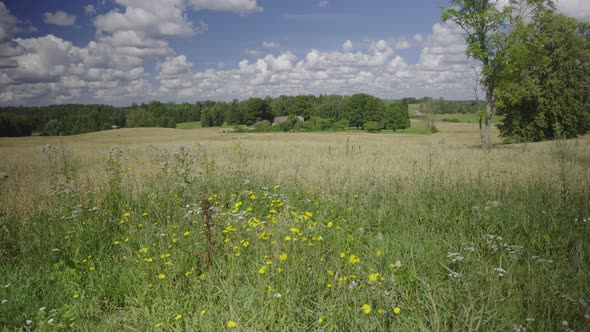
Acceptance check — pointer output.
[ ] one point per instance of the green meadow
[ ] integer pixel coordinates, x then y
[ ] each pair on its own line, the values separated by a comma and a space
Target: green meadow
200, 230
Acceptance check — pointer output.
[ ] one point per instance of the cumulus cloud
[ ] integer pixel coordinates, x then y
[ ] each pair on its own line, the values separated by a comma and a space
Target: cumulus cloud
347, 46
60, 18
236, 6
270, 44
402, 44
112, 68
152, 18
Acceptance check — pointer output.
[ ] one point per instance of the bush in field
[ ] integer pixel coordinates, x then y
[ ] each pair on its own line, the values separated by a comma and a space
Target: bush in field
371, 126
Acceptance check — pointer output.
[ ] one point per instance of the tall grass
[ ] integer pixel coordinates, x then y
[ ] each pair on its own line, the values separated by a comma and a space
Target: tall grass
294, 232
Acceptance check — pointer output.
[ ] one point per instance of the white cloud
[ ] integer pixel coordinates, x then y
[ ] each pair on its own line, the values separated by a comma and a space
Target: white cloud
252, 52
236, 6
418, 37
90, 9
347, 46
270, 44
323, 3
579, 9
152, 18
60, 18
402, 44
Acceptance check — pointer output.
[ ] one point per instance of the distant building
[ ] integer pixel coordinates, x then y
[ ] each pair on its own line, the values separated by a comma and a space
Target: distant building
280, 119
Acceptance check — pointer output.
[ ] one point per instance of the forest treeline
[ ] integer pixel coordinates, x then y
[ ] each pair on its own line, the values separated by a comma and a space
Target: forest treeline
322, 112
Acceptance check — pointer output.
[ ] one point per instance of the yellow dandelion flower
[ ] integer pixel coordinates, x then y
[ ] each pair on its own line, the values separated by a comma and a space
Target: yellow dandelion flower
203, 312
187, 233
177, 317
92, 268
373, 277
283, 257
378, 253
329, 285
287, 238
161, 276
231, 324
397, 310
366, 308
159, 324
279, 269
246, 244
76, 295
117, 243
126, 239
342, 255
126, 214
353, 259
380, 311
262, 269
144, 214
330, 224
148, 260
321, 320
143, 250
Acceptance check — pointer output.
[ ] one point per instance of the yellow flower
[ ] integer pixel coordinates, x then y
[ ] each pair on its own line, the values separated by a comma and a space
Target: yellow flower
373, 276
231, 324
92, 268
366, 308
397, 310
330, 224
378, 252
187, 233
159, 324
262, 269
148, 260
126, 214
143, 250
283, 257
353, 259
321, 320
178, 317
76, 296
380, 311
203, 312
287, 238
161, 276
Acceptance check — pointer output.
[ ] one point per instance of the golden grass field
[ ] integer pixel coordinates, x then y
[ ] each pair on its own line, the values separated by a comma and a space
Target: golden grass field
294, 231
311, 159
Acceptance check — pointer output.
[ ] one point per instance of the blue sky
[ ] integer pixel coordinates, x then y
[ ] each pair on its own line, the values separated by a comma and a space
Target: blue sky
123, 51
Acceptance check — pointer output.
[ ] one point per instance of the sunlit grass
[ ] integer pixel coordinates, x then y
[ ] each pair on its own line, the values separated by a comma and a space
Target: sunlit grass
308, 231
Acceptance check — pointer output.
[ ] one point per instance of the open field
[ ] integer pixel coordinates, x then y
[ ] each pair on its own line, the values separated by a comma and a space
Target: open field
204, 230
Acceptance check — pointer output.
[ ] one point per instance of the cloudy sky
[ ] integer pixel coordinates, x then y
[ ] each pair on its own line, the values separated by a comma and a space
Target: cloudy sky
123, 51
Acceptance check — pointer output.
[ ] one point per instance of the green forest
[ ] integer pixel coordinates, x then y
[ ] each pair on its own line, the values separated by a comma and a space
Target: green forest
324, 112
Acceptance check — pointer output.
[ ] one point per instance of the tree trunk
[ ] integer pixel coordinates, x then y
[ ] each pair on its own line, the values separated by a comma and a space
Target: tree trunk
486, 137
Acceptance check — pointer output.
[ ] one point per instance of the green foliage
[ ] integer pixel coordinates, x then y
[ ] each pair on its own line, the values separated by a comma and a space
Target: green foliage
396, 116
371, 126
15, 125
53, 128
214, 116
361, 108
545, 88
256, 109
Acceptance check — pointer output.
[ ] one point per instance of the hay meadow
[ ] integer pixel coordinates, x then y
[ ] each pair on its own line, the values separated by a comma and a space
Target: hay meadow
202, 230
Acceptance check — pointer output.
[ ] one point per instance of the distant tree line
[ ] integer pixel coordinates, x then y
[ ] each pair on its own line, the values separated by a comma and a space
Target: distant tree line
324, 112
